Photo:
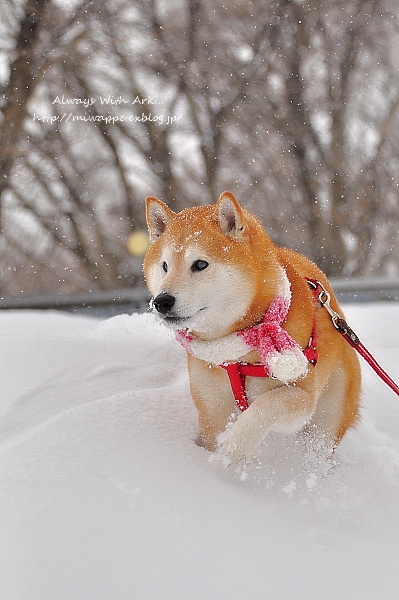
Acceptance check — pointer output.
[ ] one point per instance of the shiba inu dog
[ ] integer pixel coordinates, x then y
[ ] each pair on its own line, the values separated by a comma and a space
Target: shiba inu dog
237, 302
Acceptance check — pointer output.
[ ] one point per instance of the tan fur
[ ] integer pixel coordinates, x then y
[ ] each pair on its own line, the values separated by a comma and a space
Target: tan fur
225, 234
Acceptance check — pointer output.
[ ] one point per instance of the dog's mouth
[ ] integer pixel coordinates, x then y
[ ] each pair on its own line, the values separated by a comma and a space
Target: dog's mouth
172, 321
177, 322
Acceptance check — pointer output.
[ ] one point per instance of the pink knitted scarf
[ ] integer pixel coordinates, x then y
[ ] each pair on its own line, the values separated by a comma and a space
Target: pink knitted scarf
269, 336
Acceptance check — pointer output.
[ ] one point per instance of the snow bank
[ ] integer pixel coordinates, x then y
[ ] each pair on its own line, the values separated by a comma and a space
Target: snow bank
104, 494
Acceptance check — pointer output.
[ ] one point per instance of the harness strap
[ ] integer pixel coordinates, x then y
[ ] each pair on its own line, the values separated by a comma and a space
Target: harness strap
237, 372
311, 349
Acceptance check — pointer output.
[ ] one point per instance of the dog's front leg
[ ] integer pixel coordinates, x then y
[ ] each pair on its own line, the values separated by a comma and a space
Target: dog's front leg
285, 409
211, 392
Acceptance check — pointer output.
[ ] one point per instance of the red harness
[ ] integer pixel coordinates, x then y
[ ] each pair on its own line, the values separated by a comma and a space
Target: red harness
237, 372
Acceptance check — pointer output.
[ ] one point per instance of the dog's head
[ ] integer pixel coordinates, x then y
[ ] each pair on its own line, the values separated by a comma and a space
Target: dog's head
201, 267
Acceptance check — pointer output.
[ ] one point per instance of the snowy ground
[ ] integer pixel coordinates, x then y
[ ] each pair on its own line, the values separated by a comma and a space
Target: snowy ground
104, 494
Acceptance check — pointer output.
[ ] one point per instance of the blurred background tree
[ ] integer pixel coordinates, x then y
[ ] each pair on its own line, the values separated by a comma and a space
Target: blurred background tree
293, 105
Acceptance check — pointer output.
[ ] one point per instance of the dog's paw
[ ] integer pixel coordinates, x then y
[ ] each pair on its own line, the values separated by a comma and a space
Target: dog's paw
241, 440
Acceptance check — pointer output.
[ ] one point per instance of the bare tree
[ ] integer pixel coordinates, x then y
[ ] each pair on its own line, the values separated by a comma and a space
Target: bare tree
22, 81
183, 99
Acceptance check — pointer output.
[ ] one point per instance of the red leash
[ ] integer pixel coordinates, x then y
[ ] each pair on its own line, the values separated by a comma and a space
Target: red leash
343, 328
237, 372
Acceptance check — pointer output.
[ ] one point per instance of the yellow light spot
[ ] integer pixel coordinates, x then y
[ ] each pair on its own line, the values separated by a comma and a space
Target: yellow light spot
137, 243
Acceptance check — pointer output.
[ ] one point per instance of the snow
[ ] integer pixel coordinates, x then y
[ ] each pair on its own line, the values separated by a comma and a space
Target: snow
104, 494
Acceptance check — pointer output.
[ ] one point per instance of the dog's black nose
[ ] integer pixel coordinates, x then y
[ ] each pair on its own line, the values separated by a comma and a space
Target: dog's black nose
164, 303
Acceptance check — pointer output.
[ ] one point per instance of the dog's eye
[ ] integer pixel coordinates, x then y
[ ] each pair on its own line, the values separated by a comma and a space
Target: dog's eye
199, 265
165, 266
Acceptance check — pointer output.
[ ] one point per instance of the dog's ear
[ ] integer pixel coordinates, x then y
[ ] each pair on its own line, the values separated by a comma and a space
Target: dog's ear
230, 215
158, 216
